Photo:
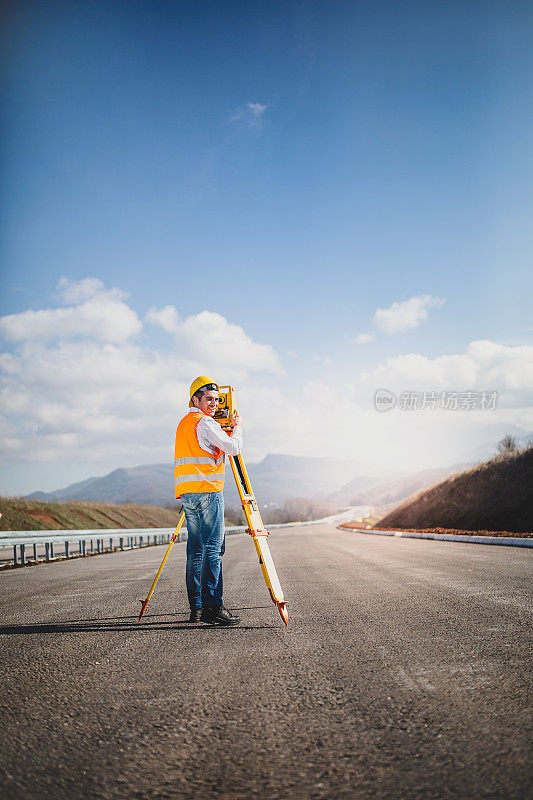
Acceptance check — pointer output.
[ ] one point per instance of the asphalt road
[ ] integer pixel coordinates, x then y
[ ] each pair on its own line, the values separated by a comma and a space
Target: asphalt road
404, 673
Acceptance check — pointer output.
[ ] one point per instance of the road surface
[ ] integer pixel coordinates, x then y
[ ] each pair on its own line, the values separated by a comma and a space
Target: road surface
404, 673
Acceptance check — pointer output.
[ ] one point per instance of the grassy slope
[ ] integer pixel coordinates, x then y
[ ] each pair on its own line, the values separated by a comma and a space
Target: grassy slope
494, 496
32, 515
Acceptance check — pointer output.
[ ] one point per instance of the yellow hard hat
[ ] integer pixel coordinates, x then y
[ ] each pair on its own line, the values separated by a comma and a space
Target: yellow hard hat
199, 383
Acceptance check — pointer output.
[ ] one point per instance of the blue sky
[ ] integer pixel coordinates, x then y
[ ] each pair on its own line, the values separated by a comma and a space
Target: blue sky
289, 167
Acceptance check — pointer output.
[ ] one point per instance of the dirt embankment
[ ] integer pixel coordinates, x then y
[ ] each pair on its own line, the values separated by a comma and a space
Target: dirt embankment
33, 515
496, 496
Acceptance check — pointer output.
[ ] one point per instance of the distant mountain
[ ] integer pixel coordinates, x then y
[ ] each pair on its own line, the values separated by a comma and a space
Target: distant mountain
148, 485
278, 477
274, 479
390, 489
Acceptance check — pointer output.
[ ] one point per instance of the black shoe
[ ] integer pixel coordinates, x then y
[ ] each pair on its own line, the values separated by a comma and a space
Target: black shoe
219, 614
195, 615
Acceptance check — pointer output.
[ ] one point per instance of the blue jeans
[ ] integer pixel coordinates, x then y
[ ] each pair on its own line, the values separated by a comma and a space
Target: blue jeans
204, 512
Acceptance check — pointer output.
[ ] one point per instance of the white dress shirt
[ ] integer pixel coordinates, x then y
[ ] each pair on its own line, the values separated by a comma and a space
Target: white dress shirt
211, 436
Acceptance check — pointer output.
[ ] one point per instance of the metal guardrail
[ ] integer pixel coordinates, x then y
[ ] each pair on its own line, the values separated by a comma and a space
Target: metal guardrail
32, 547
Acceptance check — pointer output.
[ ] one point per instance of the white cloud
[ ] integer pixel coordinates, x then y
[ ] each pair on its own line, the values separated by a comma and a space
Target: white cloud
87, 399
99, 313
409, 440
257, 109
407, 314
70, 291
94, 397
484, 366
364, 338
250, 113
219, 344
167, 318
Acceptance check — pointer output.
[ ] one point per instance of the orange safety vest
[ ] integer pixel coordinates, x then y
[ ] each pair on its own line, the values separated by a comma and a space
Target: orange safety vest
195, 469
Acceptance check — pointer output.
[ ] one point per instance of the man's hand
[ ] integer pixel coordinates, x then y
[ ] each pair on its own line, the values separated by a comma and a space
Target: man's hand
236, 419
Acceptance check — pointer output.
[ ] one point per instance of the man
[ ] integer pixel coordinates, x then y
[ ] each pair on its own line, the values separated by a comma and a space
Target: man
199, 480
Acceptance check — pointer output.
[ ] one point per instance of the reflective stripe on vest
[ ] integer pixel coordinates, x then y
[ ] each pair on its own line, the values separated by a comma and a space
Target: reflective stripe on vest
188, 479
198, 460
195, 469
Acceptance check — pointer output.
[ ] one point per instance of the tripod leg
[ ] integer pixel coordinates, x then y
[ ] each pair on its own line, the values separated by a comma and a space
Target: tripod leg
258, 534
173, 538
271, 576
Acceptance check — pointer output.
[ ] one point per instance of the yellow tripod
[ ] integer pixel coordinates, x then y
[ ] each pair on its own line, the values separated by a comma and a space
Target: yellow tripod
255, 528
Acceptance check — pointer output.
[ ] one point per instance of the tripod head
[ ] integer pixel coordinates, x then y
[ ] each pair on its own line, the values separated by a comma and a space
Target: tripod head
226, 406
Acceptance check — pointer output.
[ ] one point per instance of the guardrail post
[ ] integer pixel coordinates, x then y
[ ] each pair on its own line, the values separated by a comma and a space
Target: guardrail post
22, 554
47, 551
15, 554
84, 548
111, 543
140, 541
98, 545
121, 542
67, 549
51, 549
35, 552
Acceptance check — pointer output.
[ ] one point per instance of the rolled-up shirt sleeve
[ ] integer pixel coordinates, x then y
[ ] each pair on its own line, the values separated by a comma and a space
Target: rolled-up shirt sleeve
210, 432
